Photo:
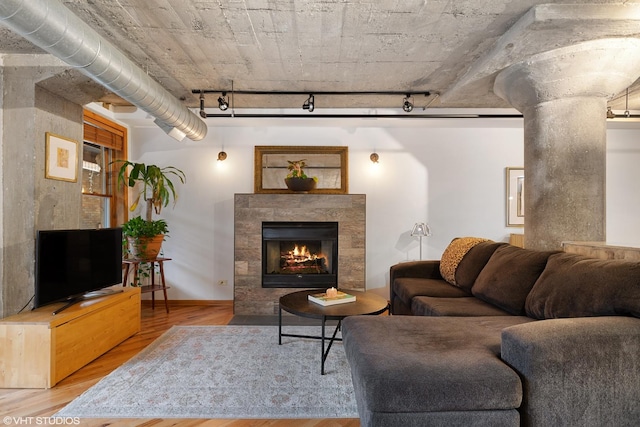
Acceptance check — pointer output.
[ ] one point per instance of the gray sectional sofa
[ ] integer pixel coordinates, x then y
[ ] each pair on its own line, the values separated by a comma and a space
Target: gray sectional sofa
496, 335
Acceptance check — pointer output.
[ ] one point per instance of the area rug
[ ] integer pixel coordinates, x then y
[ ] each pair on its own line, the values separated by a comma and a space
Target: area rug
267, 320
224, 372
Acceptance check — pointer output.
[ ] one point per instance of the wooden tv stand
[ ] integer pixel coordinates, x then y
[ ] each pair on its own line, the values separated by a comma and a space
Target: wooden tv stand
38, 349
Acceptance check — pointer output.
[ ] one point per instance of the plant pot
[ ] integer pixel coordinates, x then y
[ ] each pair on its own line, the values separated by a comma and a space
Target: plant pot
145, 247
300, 185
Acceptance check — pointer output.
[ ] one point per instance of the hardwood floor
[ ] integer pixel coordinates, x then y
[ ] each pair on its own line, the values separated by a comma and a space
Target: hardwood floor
19, 404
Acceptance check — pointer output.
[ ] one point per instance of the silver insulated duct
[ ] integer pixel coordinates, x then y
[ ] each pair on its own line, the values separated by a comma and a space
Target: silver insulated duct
54, 28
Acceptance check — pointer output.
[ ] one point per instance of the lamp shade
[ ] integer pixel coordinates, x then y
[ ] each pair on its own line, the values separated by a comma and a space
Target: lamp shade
421, 229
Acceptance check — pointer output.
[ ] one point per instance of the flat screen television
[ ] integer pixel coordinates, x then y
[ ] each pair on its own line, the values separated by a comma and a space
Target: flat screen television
70, 264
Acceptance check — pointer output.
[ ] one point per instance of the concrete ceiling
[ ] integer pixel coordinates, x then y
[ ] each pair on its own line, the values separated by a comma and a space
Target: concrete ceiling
404, 46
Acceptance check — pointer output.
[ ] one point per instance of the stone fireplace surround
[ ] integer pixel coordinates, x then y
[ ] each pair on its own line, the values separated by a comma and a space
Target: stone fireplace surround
251, 210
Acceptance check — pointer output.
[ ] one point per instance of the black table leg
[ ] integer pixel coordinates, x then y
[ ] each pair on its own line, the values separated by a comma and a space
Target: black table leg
333, 338
279, 325
322, 356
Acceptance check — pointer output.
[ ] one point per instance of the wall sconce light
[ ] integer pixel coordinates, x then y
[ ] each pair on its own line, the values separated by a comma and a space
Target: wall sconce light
223, 103
421, 230
309, 104
407, 105
374, 157
222, 156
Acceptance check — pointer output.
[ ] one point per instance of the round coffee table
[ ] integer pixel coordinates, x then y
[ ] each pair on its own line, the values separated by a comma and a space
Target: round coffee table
298, 303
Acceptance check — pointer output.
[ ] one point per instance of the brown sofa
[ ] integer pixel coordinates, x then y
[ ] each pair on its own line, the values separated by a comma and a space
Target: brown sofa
497, 335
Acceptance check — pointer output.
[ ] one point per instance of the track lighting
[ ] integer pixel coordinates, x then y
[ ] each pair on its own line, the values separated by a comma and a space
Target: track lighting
203, 113
223, 103
407, 105
610, 113
226, 103
308, 104
626, 110
374, 157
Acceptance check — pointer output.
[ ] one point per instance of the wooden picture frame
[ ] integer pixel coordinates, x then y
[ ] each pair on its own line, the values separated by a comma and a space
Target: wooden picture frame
515, 197
61, 158
328, 164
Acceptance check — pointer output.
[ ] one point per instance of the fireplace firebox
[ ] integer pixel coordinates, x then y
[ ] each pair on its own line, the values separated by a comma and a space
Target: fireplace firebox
299, 254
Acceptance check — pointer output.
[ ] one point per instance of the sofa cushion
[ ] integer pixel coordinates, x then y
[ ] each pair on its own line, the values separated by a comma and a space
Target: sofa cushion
508, 277
454, 253
578, 372
573, 285
405, 364
466, 306
427, 269
406, 288
473, 262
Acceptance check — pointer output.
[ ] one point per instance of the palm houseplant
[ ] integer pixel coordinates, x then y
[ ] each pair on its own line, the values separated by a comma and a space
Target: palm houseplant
297, 180
144, 236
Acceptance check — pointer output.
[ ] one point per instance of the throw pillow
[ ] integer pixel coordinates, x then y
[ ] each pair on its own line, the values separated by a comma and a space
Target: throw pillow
573, 285
508, 277
454, 253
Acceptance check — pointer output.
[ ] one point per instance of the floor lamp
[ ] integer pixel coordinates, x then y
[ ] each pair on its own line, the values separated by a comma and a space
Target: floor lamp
421, 230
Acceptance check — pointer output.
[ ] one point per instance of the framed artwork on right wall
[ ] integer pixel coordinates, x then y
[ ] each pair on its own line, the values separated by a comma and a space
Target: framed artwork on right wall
515, 196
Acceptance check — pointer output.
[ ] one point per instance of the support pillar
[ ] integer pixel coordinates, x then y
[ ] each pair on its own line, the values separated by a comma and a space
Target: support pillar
28, 201
562, 95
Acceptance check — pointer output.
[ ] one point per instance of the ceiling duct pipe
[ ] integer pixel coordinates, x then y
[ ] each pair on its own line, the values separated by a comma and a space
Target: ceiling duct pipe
54, 28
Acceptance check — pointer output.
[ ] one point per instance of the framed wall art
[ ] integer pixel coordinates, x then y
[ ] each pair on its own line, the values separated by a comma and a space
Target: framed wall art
327, 164
61, 158
515, 197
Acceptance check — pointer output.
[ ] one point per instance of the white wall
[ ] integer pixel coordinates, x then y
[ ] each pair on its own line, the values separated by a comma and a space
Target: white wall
623, 185
448, 172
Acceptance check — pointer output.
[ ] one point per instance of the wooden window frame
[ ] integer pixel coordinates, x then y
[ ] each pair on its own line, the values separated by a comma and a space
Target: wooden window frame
101, 131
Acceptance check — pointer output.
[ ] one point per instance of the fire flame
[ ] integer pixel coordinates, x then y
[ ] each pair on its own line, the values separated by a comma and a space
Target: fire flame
301, 252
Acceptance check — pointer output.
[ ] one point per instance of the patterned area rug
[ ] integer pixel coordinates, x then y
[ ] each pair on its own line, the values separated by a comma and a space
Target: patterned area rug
224, 372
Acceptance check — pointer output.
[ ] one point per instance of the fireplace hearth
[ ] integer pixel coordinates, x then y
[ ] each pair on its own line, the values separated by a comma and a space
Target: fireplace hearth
299, 254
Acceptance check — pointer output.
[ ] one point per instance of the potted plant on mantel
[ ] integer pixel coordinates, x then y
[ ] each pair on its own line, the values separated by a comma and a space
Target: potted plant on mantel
145, 236
296, 179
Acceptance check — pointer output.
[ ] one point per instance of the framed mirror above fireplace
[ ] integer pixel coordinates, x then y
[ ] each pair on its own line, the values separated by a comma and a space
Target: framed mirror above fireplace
327, 164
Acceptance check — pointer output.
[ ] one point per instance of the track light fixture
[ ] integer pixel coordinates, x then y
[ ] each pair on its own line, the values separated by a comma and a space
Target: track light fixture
627, 113
407, 105
626, 109
309, 104
610, 113
203, 113
223, 103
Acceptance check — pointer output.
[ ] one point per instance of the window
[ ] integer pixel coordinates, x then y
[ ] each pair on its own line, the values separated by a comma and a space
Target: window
103, 202
96, 200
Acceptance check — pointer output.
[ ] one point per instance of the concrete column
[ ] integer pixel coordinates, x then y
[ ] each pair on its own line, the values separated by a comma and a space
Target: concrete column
29, 201
562, 95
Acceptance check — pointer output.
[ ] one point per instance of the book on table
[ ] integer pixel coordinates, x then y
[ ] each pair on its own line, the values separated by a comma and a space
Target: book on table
323, 299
